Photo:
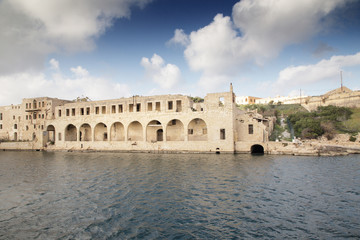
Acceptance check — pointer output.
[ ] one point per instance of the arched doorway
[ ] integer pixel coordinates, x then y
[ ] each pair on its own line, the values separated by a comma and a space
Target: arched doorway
159, 135
70, 133
257, 149
197, 130
175, 130
154, 131
51, 133
117, 132
100, 132
15, 136
135, 131
85, 132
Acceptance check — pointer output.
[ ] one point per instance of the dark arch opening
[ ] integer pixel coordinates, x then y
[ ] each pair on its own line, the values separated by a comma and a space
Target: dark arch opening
257, 149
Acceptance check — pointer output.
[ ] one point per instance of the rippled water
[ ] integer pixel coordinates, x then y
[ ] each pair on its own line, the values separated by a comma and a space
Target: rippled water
177, 196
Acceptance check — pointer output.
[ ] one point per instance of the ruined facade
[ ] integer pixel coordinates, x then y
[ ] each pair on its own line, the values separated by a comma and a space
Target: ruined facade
154, 123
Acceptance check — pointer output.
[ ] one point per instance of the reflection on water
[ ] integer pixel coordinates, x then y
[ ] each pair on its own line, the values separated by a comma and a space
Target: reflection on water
186, 196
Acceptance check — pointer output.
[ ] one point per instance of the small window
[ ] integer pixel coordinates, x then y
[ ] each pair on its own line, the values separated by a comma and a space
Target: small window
59, 113
39, 115
26, 106
103, 109
0, 126
222, 134
59, 136
87, 111
178, 106
15, 126
221, 101
73, 112
173, 122
131, 107
157, 106
120, 108
34, 117
190, 131
43, 104
204, 130
97, 110
29, 105
34, 126
42, 127
26, 117
149, 108
67, 112
251, 129
82, 111
42, 116
27, 127
113, 109
170, 105
30, 117
0, 116
138, 107
13, 117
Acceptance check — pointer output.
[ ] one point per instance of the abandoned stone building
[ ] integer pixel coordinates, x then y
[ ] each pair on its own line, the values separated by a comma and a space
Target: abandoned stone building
153, 123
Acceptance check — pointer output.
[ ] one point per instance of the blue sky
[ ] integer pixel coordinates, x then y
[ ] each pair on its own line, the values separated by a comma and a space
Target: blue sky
117, 48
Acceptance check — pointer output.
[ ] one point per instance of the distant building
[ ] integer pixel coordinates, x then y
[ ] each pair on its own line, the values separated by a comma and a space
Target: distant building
281, 99
244, 100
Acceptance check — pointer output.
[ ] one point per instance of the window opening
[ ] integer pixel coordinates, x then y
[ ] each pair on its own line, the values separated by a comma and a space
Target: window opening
222, 134
251, 129
157, 106
149, 108
138, 107
170, 105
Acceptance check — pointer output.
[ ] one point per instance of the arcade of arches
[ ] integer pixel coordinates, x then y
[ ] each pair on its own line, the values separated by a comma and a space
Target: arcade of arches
155, 131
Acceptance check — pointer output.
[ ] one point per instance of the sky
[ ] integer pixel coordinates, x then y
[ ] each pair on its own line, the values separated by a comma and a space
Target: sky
107, 49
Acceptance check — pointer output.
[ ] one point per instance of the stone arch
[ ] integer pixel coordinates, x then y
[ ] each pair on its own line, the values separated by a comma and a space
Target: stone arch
257, 149
85, 132
175, 130
154, 131
197, 130
100, 132
70, 133
117, 132
135, 131
51, 133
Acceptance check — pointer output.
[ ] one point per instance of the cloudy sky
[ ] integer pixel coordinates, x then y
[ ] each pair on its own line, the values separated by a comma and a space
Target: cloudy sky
107, 49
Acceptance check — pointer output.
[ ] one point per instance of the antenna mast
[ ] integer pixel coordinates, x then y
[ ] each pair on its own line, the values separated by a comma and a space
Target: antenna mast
341, 80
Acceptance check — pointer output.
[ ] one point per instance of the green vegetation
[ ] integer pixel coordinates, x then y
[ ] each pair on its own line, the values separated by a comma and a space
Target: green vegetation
197, 99
274, 110
326, 121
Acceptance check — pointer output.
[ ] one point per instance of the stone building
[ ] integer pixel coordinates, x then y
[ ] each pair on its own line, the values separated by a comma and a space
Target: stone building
163, 123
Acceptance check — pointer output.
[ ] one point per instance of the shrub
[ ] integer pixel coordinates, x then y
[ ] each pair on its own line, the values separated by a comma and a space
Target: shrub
352, 138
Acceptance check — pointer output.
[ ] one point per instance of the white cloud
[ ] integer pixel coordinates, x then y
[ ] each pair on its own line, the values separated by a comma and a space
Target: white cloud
32, 29
258, 32
324, 70
54, 64
29, 84
179, 38
166, 76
